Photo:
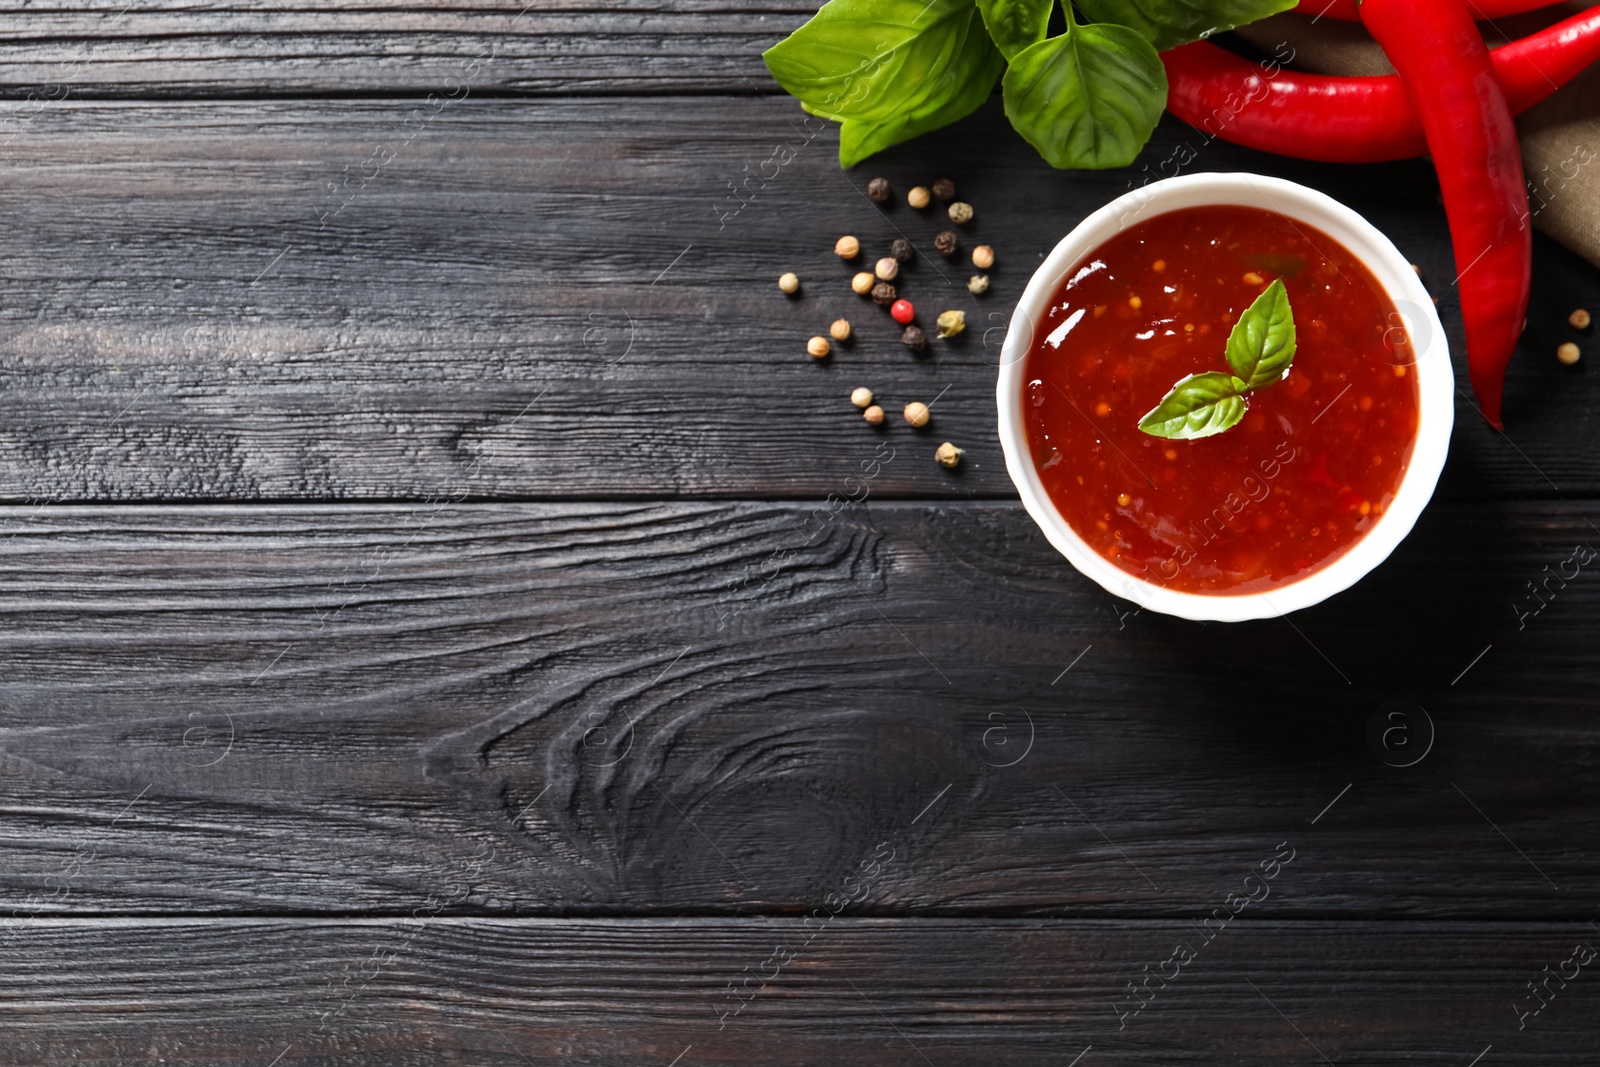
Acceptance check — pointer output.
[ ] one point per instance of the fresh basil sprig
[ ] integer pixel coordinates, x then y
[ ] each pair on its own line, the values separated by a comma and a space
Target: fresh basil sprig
889, 70
1260, 351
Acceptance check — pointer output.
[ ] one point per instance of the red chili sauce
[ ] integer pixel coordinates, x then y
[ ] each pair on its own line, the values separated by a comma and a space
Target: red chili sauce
1306, 473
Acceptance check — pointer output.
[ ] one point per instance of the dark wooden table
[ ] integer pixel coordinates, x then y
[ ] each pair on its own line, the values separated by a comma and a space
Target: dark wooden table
422, 642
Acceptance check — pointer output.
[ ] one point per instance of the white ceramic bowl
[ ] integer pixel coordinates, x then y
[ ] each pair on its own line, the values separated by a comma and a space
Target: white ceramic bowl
1435, 383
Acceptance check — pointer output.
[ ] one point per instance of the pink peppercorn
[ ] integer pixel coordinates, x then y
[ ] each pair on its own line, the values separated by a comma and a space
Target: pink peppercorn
903, 312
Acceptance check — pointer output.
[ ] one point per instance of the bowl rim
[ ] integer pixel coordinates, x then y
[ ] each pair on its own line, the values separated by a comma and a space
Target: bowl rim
1434, 374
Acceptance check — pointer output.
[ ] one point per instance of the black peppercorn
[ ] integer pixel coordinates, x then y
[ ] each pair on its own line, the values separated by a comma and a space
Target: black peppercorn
901, 250
946, 242
883, 293
914, 338
878, 189
944, 189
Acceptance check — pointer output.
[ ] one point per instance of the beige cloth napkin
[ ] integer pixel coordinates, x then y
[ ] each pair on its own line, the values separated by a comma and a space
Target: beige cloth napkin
1560, 138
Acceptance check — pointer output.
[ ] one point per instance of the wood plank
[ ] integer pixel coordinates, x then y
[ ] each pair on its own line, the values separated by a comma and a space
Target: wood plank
651, 708
538, 299
306, 992
108, 48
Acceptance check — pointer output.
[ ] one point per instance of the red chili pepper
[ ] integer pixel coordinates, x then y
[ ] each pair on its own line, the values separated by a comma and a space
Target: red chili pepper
1352, 120
1435, 48
1345, 10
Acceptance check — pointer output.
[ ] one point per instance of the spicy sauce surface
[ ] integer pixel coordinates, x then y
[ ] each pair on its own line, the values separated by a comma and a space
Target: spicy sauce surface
1313, 464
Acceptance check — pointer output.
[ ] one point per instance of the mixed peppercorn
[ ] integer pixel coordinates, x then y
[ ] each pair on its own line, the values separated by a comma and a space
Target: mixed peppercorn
1569, 353
879, 282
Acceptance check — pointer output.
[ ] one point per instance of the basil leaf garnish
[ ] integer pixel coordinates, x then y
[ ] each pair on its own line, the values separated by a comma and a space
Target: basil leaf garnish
1088, 98
1169, 23
1015, 24
1260, 351
1261, 346
888, 69
1198, 406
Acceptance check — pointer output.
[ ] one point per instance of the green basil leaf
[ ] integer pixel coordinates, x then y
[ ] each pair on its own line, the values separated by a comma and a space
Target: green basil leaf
898, 68
860, 138
1088, 98
1261, 346
1169, 23
1015, 24
1198, 406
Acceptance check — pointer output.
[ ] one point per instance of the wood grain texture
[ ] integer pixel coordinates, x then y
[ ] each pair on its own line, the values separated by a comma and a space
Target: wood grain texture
718, 708
556, 299
187, 49
307, 992
551, 760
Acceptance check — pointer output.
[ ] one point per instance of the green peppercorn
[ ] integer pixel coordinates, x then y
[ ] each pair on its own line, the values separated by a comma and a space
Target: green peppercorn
960, 213
978, 284
951, 323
